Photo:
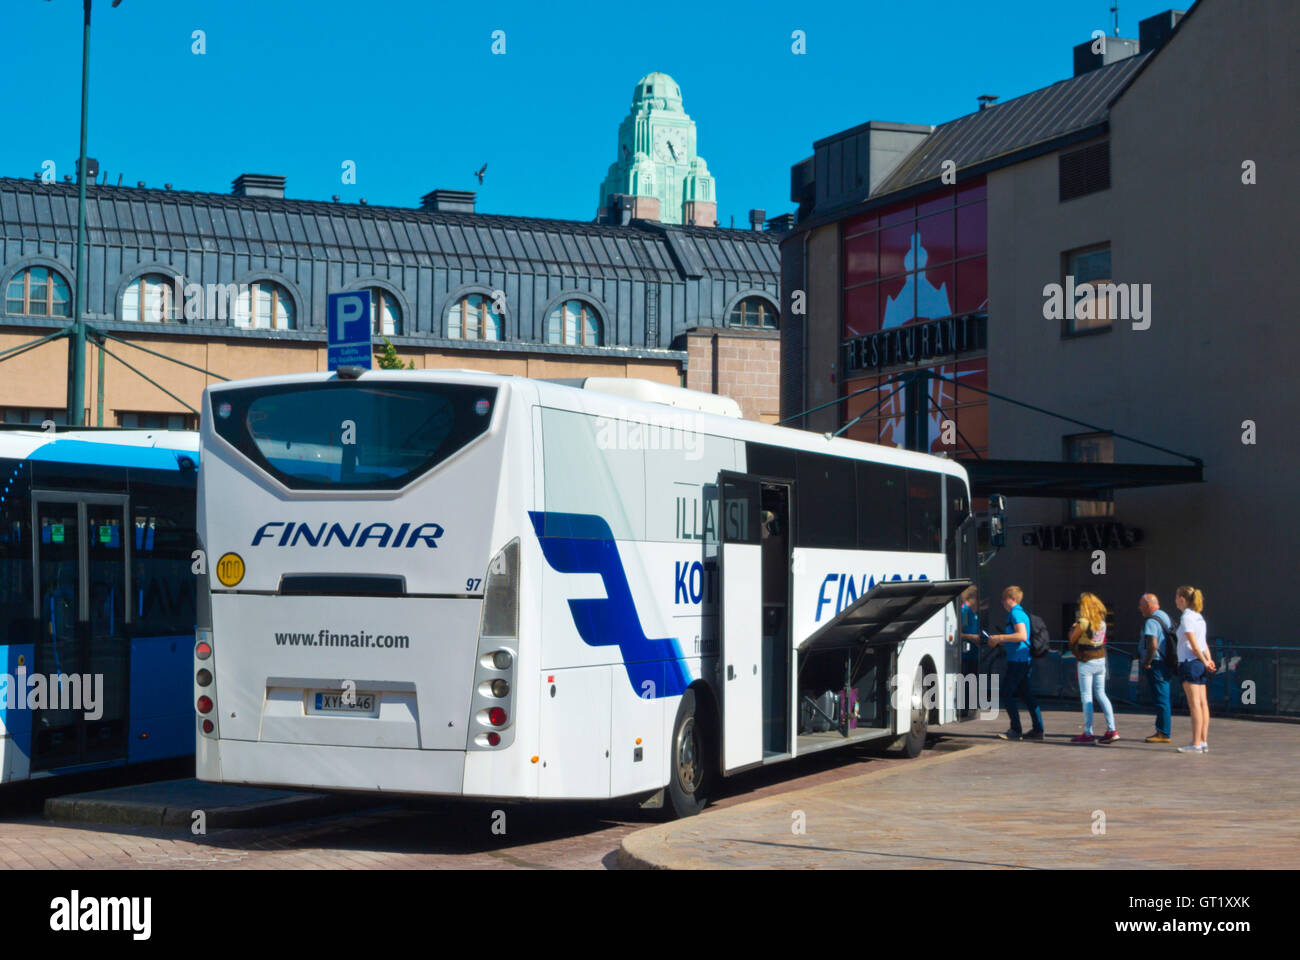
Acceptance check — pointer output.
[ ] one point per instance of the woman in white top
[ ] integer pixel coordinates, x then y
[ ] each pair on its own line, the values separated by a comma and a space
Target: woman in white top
1194, 666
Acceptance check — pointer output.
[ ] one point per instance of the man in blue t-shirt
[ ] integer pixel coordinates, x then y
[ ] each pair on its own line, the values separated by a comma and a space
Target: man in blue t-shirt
1154, 622
1015, 681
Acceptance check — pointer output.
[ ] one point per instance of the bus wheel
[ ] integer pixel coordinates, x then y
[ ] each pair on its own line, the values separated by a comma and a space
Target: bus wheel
913, 742
690, 775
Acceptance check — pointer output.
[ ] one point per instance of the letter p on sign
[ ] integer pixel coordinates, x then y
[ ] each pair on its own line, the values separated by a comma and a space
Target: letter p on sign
348, 328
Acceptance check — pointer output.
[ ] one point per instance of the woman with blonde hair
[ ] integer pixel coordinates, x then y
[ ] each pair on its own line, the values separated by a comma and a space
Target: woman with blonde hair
1194, 666
1088, 644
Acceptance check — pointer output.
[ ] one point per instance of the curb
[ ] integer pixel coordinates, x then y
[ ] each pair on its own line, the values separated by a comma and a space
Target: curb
647, 849
258, 814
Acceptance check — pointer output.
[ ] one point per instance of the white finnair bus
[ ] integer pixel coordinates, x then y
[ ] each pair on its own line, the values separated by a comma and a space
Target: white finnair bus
456, 583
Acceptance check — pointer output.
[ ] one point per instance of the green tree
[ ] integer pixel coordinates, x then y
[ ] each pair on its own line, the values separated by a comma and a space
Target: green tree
389, 360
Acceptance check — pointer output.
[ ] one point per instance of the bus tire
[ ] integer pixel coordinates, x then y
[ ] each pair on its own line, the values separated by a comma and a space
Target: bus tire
913, 742
690, 775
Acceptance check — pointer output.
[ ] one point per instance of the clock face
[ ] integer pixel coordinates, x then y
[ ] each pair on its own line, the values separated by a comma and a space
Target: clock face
670, 146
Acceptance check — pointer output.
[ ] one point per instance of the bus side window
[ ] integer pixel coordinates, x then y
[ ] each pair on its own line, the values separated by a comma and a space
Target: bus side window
924, 512
827, 513
882, 507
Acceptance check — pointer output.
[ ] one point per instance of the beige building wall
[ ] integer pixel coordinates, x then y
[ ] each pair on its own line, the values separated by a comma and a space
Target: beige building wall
742, 364
37, 380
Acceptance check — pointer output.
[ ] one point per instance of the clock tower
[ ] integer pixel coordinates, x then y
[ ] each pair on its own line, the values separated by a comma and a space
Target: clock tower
657, 164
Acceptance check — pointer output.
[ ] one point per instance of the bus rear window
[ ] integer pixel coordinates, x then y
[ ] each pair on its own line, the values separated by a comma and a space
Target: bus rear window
351, 434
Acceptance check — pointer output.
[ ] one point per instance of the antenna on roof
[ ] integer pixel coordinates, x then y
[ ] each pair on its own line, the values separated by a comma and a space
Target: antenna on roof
1115, 10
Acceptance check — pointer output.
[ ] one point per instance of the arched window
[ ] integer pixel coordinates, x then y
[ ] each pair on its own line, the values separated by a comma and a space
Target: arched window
38, 292
385, 314
753, 312
576, 323
148, 299
265, 305
472, 318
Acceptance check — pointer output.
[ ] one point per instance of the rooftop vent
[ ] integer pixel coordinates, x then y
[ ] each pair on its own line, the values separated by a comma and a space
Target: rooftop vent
781, 223
448, 201
257, 185
1112, 50
756, 218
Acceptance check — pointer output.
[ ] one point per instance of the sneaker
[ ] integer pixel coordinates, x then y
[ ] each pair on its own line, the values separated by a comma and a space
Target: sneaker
1157, 738
1110, 736
1205, 748
1192, 748
1009, 735
1083, 738
1033, 735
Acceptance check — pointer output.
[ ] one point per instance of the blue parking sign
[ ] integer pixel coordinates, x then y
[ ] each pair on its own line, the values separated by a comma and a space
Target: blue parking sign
348, 321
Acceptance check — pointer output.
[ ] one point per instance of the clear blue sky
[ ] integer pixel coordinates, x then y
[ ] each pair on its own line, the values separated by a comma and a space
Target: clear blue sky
411, 92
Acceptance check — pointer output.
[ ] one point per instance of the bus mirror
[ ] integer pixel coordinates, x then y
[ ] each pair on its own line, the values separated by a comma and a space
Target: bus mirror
997, 520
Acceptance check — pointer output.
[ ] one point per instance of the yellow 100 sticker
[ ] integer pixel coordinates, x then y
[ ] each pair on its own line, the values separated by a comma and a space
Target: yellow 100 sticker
230, 569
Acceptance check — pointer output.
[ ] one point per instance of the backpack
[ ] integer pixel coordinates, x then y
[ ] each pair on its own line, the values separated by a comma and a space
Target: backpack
1168, 644
1040, 641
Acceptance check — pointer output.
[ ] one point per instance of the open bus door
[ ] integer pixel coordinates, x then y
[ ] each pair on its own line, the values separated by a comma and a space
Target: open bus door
740, 630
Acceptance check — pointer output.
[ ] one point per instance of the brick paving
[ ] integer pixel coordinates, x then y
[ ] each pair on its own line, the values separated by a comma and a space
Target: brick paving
1032, 805
417, 835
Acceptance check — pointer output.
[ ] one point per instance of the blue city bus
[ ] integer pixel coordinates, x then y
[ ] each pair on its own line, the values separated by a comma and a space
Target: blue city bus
97, 597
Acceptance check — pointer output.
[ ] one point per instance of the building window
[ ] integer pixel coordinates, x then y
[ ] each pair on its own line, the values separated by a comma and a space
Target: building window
130, 420
148, 299
385, 314
38, 292
1090, 266
754, 312
265, 305
1085, 171
576, 323
472, 318
33, 416
1090, 448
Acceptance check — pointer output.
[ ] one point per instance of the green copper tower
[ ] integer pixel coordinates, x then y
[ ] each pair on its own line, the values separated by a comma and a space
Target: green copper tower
657, 169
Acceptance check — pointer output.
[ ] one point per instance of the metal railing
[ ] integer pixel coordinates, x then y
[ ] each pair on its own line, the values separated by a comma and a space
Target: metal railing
1250, 681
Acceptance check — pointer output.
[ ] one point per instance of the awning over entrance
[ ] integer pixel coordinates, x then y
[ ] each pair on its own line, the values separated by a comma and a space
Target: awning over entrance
1080, 481
887, 613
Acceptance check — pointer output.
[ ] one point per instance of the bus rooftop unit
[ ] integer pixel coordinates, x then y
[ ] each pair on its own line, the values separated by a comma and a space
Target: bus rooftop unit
630, 593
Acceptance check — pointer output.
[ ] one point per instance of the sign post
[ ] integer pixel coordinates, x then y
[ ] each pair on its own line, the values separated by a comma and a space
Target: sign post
348, 322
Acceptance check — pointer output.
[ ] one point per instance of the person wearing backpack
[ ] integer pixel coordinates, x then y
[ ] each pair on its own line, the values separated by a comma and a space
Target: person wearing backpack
1015, 680
1088, 644
1158, 651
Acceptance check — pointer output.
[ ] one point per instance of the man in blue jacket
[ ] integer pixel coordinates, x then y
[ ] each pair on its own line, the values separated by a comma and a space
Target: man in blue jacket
1015, 681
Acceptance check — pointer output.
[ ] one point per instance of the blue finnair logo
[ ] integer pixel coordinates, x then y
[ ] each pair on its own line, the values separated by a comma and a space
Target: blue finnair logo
583, 543
328, 534
847, 590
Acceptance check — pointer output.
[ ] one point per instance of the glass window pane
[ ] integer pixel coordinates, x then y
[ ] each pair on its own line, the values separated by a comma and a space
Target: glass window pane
454, 320
284, 309
131, 302
571, 321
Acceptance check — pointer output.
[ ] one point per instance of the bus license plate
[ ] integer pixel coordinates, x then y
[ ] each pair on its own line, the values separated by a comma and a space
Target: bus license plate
356, 705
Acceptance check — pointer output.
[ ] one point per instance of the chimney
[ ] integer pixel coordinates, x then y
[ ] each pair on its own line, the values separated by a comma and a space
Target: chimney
781, 223
448, 201
92, 168
257, 185
1154, 31
1113, 49
987, 100
756, 218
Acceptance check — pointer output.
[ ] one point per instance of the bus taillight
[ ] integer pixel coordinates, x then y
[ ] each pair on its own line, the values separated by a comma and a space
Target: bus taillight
203, 650
496, 716
205, 705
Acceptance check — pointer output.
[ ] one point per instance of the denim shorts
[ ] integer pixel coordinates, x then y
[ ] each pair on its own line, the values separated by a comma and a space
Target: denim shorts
1192, 671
